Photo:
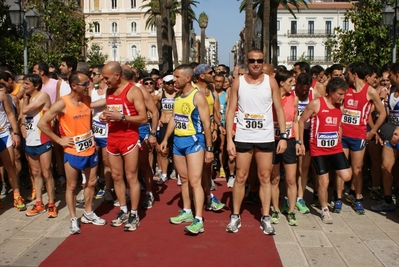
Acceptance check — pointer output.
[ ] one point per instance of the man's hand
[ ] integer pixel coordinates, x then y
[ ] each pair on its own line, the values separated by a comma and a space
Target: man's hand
112, 116
281, 147
16, 140
152, 140
66, 141
208, 157
231, 148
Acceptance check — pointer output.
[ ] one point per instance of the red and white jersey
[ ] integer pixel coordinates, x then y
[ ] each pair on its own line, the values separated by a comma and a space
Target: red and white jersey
120, 103
356, 113
324, 131
288, 104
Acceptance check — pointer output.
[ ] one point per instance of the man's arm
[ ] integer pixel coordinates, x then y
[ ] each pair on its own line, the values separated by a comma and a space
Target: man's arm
57, 90
11, 118
135, 96
231, 107
311, 109
99, 103
39, 101
151, 107
203, 110
374, 96
320, 89
277, 104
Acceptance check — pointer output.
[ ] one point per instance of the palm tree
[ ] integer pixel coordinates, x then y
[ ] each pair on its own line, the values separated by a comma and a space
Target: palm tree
203, 23
249, 26
188, 16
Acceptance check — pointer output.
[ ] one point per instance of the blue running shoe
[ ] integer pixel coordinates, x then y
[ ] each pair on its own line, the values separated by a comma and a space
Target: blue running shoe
358, 207
338, 206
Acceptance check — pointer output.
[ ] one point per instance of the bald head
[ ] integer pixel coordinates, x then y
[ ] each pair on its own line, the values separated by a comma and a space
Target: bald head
268, 69
113, 66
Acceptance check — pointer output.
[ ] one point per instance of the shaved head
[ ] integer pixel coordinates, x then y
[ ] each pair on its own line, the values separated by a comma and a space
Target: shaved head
113, 66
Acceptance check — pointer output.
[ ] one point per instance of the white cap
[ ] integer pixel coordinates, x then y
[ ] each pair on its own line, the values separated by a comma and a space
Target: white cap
168, 78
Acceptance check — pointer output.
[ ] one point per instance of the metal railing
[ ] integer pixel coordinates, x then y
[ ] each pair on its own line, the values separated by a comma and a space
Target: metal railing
309, 33
313, 59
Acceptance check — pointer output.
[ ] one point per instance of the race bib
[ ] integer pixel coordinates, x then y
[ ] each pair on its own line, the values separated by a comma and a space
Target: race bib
326, 140
167, 104
254, 121
235, 120
301, 109
181, 122
99, 129
115, 108
29, 123
351, 117
84, 141
288, 129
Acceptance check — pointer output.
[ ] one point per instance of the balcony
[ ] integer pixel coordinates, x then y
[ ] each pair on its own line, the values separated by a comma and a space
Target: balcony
326, 60
309, 33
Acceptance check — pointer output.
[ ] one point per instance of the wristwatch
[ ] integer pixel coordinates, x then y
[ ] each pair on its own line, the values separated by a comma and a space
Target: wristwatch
17, 133
209, 149
123, 118
283, 136
153, 134
299, 142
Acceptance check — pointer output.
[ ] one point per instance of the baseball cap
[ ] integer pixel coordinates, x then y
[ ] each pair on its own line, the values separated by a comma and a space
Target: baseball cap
146, 79
200, 69
386, 131
168, 78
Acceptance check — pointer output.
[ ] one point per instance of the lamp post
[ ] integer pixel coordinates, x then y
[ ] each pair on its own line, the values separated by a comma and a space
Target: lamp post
25, 23
390, 17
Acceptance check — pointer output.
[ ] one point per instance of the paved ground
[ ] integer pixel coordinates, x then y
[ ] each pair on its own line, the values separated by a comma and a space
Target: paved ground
352, 240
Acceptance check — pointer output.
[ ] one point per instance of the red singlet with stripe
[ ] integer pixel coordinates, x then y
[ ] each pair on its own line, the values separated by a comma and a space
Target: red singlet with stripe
356, 113
324, 131
120, 103
288, 104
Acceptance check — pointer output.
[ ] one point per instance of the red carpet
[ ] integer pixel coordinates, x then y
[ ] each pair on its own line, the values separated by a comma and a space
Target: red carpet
158, 243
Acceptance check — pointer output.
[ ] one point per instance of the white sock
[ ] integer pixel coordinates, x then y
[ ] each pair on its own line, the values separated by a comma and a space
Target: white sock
124, 208
133, 212
164, 176
198, 218
298, 198
188, 211
149, 193
210, 196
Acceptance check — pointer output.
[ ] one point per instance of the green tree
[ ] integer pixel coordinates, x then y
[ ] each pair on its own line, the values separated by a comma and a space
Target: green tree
138, 62
203, 23
61, 32
95, 56
369, 41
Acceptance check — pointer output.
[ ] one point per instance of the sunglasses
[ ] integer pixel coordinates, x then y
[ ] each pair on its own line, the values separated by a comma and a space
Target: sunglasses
84, 84
253, 60
95, 73
148, 83
211, 72
169, 83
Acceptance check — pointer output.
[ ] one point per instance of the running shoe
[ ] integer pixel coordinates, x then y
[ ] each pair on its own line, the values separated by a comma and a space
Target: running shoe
100, 194
266, 226
19, 203
3, 192
161, 180
148, 202
80, 198
173, 175
178, 180
214, 204
92, 218
234, 224
384, 207
121, 218
230, 182
183, 217
213, 185
350, 198
108, 197
116, 203
61, 188
36, 209
52, 212
222, 173
132, 223
316, 202
32, 195
74, 226
195, 227
301, 206
286, 207
1, 204
376, 194
338, 206
325, 216
358, 207
292, 219
275, 217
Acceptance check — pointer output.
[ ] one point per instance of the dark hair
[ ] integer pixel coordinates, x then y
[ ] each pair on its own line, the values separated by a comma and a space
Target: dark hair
154, 71
304, 79
327, 71
335, 67
225, 67
336, 83
186, 68
53, 75
281, 67
255, 49
394, 68
74, 77
303, 66
70, 61
35, 79
128, 74
194, 64
220, 75
5, 76
283, 75
360, 68
316, 69
3, 85
42, 66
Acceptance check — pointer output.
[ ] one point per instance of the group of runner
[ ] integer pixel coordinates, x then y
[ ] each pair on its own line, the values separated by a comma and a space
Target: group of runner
261, 120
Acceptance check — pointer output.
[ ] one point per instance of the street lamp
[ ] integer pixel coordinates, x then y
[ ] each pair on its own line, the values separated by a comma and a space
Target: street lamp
390, 17
25, 23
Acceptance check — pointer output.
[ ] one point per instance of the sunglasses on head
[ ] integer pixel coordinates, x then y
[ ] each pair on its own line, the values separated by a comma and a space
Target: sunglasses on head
253, 60
85, 84
148, 83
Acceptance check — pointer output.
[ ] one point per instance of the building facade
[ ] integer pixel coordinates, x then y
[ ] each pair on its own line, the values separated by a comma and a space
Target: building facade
305, 36
211, 51
119, 28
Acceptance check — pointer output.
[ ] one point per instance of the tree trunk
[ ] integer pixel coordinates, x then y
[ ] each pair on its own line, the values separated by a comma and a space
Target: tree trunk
166, 47
174, 48
202, 50
266, 31
185, 31
273, 30
158, 25
249, 26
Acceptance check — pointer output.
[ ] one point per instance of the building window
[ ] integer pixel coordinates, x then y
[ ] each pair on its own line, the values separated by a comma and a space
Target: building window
327, 53
153, 29
133, 27
345, 25
97, 28
132, 4
134, 51
311, 27
328, 27
114, 4
96, 5
153, 51
278, 25
114, 27
311, 53
293, 53
278, 50
293, 27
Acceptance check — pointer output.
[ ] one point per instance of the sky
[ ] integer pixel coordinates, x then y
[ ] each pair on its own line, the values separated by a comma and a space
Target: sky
225, 24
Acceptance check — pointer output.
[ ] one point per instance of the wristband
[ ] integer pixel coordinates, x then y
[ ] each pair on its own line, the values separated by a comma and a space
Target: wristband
283, 136
209, 149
